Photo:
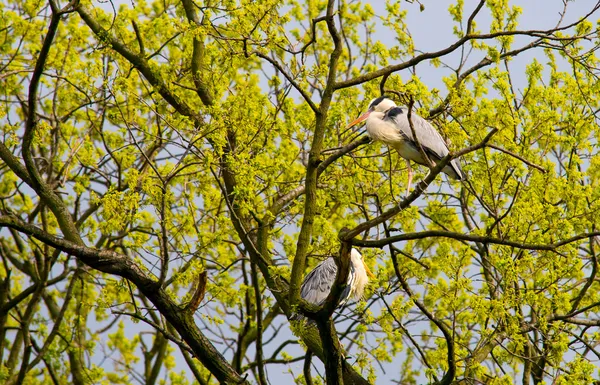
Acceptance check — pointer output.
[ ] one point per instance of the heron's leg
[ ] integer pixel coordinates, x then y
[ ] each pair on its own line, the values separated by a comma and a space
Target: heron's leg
410, 176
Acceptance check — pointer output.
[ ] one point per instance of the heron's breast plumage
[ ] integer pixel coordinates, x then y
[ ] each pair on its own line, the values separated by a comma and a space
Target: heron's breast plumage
383, 131
360, 278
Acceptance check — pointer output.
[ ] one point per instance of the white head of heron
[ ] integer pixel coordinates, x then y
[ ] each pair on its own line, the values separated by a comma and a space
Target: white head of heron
362, 274
377, 108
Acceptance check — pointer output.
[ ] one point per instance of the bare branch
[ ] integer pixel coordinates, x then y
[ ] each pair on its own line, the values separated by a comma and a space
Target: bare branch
473, 238
531, 164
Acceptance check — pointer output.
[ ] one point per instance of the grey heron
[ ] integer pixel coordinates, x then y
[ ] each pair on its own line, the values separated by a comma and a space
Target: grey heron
389, 124
317, 284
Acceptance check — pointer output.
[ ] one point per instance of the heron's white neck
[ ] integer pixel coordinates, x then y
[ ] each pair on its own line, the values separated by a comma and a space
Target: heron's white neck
361, 277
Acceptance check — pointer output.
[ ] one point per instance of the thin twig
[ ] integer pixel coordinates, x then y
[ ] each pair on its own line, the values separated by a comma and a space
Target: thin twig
529, 163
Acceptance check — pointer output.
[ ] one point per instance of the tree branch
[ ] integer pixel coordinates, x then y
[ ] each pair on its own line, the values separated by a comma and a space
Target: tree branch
473, 238
285, 199
468, 37
197, 55
516, 156
140, 63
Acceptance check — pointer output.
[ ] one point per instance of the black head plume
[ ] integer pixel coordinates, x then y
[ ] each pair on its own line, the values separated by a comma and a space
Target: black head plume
375, 102
394, 111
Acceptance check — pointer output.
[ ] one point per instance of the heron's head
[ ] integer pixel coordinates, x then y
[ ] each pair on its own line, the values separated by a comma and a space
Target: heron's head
381, 104
378, 105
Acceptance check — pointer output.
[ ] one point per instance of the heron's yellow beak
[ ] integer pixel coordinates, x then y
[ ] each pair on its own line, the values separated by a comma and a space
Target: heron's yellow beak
369, 271
360, 119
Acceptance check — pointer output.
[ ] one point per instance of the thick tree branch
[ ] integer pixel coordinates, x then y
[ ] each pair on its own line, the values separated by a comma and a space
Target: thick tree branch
198, 67
32, 176
312, 174
15, 165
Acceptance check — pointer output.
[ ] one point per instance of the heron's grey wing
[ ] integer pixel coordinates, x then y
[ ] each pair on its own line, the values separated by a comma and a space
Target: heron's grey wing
317, 284
431, 140
427, 135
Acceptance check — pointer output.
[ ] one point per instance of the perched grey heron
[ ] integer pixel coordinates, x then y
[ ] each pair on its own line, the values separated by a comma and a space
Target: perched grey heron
388, 123
317, 284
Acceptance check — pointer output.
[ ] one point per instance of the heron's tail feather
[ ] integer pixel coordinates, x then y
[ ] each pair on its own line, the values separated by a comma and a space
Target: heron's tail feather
454, 171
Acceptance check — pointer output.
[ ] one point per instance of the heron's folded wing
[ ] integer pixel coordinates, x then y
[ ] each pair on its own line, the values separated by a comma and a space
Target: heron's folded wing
431, 140
317, 284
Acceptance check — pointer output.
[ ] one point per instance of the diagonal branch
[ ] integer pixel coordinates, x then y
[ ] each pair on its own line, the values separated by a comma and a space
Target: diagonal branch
305, 94
472, 16
139, 62
285, 199
519, 157
346, 235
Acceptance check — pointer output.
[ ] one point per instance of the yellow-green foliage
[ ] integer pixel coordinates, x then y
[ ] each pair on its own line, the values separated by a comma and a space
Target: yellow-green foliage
148, 170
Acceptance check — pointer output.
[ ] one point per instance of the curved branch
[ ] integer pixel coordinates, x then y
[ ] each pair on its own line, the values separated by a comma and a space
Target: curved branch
473, 238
